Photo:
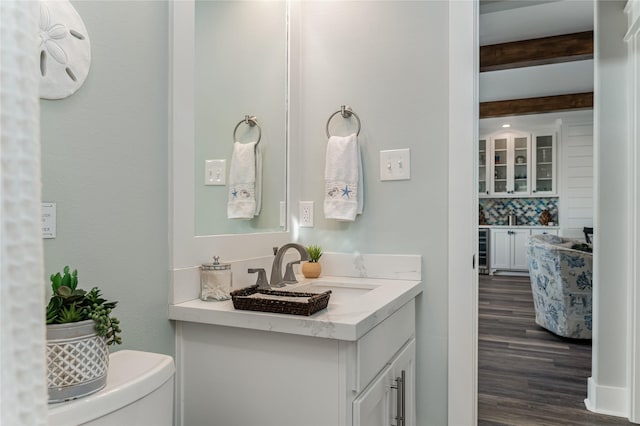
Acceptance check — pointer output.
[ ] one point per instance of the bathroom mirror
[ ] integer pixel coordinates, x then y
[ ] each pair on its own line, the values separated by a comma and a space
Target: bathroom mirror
240, 68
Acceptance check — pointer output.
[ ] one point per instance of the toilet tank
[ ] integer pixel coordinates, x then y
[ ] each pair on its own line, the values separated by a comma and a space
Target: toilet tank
139, 392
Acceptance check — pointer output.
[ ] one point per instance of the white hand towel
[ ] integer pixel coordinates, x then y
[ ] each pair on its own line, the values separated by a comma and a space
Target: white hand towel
245, 181
343, 198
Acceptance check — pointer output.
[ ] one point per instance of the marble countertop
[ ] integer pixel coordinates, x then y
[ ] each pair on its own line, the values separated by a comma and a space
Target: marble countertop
344, 319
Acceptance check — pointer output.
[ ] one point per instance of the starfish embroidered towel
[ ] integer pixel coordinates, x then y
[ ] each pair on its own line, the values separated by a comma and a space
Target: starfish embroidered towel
343, 197
245, 181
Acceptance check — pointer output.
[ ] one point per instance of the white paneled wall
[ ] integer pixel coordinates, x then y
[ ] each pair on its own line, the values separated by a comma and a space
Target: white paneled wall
576, 180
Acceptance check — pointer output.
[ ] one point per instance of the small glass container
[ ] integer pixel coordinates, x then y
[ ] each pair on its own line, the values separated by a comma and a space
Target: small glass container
215, 280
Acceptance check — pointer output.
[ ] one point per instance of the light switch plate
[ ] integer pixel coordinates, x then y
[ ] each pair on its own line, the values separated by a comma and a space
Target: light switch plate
215, 172
395, 164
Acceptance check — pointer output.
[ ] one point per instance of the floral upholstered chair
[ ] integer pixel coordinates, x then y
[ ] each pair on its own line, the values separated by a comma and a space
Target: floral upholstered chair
561, 282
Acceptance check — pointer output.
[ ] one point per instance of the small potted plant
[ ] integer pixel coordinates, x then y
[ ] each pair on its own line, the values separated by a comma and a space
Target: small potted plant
312, 268
79, 329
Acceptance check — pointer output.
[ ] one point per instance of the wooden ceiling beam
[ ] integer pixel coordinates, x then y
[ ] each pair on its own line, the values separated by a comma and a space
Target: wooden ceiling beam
539, 51
541, 105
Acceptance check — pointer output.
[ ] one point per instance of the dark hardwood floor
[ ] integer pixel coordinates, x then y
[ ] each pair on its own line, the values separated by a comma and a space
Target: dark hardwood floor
527, 375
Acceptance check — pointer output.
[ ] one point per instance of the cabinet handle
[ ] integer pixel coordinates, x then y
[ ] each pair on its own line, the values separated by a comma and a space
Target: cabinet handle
400, 399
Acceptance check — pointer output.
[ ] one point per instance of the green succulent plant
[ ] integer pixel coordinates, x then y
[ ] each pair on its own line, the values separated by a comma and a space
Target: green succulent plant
315, 253
71, 304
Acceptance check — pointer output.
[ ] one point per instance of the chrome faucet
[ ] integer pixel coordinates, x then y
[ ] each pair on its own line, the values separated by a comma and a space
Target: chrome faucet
277, 279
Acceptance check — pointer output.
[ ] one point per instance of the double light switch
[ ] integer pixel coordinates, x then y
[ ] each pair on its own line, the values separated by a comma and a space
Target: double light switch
395, 164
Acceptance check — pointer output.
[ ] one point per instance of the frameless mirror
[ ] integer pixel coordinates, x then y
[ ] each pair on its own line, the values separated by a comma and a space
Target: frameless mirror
240, 70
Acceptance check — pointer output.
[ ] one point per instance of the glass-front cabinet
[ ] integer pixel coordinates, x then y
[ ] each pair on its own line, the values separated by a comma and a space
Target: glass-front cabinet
500, 159
520, 165
544, 160
517, 164
483, 168
510, 164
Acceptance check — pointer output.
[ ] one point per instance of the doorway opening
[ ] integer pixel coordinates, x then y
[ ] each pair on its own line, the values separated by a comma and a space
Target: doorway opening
532, 164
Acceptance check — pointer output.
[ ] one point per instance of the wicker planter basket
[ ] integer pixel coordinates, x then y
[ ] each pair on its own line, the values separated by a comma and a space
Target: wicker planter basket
77, 360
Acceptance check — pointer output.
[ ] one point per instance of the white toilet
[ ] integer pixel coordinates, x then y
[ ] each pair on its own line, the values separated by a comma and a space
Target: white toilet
139, 392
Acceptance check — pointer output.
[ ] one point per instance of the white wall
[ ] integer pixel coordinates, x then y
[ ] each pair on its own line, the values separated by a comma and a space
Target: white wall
608, 383
576, 179
389, 61
104, 153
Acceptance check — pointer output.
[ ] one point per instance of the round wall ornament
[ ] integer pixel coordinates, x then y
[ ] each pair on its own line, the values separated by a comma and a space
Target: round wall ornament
65, 50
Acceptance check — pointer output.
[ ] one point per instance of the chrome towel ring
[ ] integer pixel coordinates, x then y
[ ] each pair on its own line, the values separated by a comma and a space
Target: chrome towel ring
251, 121
346, 112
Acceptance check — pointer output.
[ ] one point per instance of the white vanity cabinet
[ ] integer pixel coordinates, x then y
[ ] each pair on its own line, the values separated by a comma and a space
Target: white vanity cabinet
389, 399
241, 376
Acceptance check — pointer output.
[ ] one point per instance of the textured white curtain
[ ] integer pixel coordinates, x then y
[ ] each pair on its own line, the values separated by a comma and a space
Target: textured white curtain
23, 392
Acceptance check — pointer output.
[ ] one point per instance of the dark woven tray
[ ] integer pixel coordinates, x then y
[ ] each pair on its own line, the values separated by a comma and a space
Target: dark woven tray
313, 302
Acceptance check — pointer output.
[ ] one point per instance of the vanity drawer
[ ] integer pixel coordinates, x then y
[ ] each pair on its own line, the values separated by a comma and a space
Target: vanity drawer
376, 348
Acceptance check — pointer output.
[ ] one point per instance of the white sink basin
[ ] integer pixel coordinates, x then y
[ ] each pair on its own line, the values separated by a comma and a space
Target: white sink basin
340, 292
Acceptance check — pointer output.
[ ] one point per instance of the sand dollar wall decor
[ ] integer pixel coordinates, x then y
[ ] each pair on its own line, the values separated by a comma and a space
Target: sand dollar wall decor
65, 50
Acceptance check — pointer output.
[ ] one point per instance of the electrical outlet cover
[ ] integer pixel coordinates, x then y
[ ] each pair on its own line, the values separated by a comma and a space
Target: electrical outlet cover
305, 214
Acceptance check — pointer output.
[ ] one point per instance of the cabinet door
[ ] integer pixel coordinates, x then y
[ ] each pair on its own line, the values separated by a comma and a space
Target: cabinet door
519, 239
499, 162
403, 373
520, 183
483, 168
373, 406
510, 164
500, 249
544, 170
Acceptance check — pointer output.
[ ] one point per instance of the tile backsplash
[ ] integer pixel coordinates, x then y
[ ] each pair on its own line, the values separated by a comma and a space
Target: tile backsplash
527, 210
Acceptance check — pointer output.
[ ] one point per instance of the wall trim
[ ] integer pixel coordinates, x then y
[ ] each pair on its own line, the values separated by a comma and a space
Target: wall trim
614, 399
632, 38
613, 352
462, 396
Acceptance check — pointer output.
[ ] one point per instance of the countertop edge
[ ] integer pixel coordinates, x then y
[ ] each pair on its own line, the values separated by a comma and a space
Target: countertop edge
335, 322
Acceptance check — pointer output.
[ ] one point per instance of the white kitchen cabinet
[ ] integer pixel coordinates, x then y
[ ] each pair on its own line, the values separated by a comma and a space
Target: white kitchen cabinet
510, 164
544, 171
508, 249
539, 231
483, 166
239, 376
518, 164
